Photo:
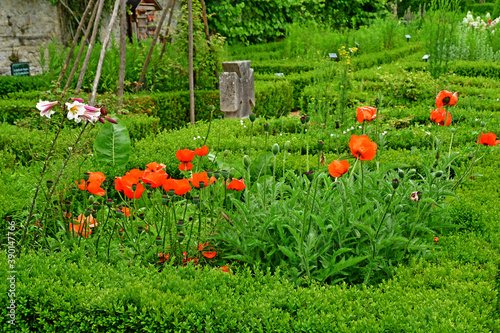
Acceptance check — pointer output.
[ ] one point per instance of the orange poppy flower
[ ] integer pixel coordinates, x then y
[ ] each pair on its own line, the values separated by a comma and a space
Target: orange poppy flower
439, 116
367, 113
83, 225
162, 257
201, 151
156, 179
446, 98
225, 269
197, 178
93, 184
209, 255
488, 139
236, 184
135, 173
185, 166
185, 155
338, 168
154, 167
202, 246
126, 211
362, 147
180, 186
126, 184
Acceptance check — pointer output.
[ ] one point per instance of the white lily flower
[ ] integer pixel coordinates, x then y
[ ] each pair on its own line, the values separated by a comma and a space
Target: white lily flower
45, 108
75, 110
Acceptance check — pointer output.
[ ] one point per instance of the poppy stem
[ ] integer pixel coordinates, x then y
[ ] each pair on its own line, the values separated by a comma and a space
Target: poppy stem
353, 168
412, 229
381, 221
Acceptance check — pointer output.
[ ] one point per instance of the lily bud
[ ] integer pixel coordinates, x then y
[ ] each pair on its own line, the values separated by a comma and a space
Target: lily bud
111, 120
276, 149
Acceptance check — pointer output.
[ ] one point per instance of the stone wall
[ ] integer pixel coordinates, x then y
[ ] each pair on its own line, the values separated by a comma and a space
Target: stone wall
25, 25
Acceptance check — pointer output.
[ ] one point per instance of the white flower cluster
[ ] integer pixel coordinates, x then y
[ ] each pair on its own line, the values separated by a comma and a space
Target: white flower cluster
76, 110
479, 23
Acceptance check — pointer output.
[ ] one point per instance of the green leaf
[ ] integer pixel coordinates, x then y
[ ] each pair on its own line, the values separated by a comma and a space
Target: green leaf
112, 144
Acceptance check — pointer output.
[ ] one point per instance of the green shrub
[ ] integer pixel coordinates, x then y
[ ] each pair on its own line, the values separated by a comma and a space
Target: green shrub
474, 69
13, 84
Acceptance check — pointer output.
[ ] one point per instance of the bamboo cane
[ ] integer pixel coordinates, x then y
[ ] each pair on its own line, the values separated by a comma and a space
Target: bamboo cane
123, 49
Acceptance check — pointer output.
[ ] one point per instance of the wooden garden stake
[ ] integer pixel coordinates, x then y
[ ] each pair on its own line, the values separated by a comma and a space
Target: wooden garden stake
150, 53
91, 46
168, 28
80, 52
191, 76
123, 49
205, 21
103, 52
75, 40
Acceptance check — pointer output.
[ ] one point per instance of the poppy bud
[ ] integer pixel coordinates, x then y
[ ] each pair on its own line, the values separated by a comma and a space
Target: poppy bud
395, 184
210, 174
337, 123
134, 187
148, 186
414, 196
109, 202
276, 149
120, 214
231, 172
150, 194
401, 173
196, 200
50, 183
226, 152
91, 199
158, 241
105, 184
141, 216
483, 124
320, 145
180, 226
247, 161
217, 174
140, 230
87, 212
171, 191
191, 218
96, 206
310, 175
202, 184
73, 190
303, 119
180, 237
164, 199
420, 194
288, 145
67, 205
224, 173
86, 176
438, 173
252, 117
266, 127
452, 130
308, 118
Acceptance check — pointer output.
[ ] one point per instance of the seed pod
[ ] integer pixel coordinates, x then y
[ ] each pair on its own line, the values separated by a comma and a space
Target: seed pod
247, 161
276, 149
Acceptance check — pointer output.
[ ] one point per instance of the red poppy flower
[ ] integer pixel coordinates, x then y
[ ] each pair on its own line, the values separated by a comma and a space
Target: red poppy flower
197, 178
127, 184
367, 113
446, 98
209, 255
93, 184
201, 151
436, 239
185, 155
236, 184
202, 246
162, 257
439, 116
156, 179
180, 186
338, 168
362, 147
488, 139
154, 167
225, 269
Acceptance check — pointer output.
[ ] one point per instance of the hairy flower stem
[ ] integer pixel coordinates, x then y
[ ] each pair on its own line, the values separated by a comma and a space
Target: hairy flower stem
362, 183
284, 157
470, 166
381, 221
305, 215
100, 233
54, 186
312, 206
412, 228
250, 143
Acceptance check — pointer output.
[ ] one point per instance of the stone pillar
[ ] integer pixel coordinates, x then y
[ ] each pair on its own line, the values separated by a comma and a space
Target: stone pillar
237, 92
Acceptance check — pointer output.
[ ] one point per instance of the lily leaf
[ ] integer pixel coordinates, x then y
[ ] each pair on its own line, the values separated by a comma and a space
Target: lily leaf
112, 144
